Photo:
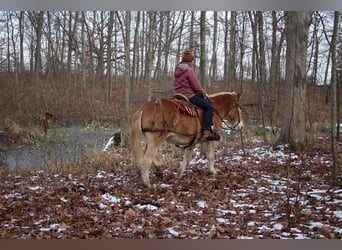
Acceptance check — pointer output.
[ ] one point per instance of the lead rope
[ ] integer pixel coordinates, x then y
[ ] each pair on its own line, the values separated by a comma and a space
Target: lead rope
232, 128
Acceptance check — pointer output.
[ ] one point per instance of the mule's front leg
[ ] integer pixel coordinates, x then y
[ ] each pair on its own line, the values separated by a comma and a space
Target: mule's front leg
210, 154
186, 160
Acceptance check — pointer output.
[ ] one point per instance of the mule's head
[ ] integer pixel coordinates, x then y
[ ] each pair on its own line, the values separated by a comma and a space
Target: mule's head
234, 113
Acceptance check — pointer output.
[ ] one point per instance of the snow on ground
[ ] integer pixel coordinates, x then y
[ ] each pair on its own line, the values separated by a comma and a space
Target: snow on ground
267, 193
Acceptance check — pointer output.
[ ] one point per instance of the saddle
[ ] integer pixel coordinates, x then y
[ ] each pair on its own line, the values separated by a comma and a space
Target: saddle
184, 105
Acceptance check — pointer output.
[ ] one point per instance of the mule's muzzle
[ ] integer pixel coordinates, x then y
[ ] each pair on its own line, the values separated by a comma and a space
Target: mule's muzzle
238, 126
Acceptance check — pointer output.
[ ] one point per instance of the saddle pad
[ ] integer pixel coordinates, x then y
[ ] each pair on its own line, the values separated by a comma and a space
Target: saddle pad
184, 108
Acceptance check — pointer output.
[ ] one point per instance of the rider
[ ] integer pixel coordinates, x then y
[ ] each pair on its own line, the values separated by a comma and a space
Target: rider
187, 84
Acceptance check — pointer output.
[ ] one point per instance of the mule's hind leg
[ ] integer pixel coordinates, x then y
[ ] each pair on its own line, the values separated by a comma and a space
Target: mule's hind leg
154, 142
186, 161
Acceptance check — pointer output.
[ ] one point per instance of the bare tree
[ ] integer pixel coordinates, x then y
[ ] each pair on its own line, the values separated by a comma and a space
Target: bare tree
213, 63
109, 57
261, 70
150, 52
252, 18
293, 129
135, 49
127, 38
179, 44
276, 49
242, 46
232, 50
203, 59
161, 31
226, 55
334, 98
191, 44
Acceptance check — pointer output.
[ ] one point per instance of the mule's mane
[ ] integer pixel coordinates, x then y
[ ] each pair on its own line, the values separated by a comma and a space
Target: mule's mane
222, 93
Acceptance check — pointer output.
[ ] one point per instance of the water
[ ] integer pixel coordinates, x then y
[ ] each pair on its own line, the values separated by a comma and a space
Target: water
62, 145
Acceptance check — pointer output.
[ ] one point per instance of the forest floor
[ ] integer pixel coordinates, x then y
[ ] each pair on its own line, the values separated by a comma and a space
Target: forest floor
259, 192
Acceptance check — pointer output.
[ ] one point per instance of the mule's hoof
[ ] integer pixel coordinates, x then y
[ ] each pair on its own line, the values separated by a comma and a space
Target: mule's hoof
213, 172
159, 173
180, 175
147, 184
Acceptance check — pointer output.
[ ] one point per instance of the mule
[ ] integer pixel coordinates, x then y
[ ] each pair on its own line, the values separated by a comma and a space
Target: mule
161, 120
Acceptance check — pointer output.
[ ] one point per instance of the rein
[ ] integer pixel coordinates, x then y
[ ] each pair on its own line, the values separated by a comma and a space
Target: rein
225, 123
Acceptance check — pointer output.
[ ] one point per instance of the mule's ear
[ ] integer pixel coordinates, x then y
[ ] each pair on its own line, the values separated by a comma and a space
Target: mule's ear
239, 95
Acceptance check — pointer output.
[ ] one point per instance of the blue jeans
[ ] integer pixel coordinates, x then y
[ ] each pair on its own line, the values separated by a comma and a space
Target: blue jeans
208, 111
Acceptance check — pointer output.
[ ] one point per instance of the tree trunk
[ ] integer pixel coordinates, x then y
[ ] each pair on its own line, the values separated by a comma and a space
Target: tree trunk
226, 35
191, 45
161, 31
109, 57
232, 51
127, 39
135, 50
275, 51
150, 53
213, 64
242, 51
39, 32
83, 49
293, 129
21, 38
203, 59
179, 43
334, 100
255, 44
262, 71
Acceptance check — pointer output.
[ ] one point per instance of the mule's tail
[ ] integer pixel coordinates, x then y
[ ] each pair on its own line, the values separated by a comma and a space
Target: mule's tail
136, 136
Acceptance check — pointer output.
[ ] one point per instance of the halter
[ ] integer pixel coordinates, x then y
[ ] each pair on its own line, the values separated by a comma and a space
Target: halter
237, 105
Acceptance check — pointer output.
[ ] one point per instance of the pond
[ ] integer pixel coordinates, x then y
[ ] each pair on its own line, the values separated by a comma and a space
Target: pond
61, 145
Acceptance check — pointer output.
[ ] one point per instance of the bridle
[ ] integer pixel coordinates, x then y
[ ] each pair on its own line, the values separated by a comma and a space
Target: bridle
229, 127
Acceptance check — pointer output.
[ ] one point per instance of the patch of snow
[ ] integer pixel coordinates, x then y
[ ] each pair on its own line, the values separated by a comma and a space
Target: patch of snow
245, 237
85, 198
110, 198
278, 226
262, 189
173, 232
251, 223
338, 214
102, 206
264, 228
15, 195
286, 234
317, 193
222, 220
64, 200
334, 202
34, 188
100, 174
314, 224
244, 205
163, 185
224, 212
296, 230
300, 236
148, 207
202, 204
52, 226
